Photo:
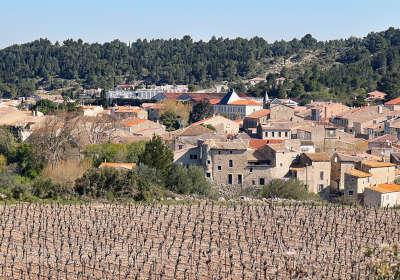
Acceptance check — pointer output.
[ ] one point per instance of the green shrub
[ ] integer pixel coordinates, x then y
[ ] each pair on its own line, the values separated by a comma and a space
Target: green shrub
291, 189
111, 152
47, 189
8, 143
187, 180
158, 155
29, 160
98, 182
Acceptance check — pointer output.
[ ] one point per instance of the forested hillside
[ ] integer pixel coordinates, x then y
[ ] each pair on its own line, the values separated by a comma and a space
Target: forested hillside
338, 68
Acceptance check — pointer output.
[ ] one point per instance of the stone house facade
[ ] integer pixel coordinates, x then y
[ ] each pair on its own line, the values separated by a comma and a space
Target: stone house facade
232, 162
340, 163
314, 170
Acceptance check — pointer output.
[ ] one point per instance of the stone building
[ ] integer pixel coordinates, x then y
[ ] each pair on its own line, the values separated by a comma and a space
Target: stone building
252, 121
220, 124
340, 163
382, 172
382, 146
124, 112
233, 162
313, 169
274, 130
355, 182
393, 104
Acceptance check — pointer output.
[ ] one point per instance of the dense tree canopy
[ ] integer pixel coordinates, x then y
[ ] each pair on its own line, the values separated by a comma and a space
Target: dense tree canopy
354, 63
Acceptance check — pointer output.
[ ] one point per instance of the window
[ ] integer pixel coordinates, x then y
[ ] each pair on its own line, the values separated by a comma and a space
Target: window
239, 179
193, 156
286, 134
180, 147
230, 152
219, 167
320, 188
262, 181
230, 179
321, 175
208, 161
350, 192
251, 170
280, 134
253, 182
273, 133
208, 174
230, 164
219, 152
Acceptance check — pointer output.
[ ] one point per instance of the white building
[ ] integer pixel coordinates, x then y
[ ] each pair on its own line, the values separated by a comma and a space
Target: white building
234, 107
383, 195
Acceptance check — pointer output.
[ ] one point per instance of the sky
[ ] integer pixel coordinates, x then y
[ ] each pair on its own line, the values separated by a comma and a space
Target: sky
128, 20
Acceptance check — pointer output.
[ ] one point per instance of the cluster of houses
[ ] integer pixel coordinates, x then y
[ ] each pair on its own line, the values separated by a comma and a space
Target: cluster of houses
330, 147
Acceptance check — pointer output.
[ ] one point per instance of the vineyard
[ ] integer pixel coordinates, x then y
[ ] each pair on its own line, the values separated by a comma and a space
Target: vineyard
203, 240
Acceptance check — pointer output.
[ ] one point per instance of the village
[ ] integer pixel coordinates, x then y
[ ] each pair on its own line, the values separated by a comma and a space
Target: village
245, 142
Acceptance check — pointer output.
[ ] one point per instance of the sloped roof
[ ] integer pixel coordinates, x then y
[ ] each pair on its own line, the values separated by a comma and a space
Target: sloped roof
132, 122
229, 98
347, 157
258, 154
395, 101
317, 157
376, 164
357, 173
259, 114
195, 130
228, 145
383, 139
258, 143
245, 102
278, 147
386, 188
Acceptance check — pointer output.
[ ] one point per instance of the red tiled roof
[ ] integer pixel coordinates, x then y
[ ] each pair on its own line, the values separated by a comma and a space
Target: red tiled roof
245, 102
258, 143
395, 101
259, 114
132, 122
386, 188
214, 101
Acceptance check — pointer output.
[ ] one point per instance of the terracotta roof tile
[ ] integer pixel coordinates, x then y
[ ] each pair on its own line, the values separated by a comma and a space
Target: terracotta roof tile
386, 188
358, 173
258, 143
259, 114
132, 122
317, 156
245, 102
395, 101
376, 164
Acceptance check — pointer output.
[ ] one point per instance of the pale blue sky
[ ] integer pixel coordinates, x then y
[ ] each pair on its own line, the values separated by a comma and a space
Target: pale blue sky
128, 20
